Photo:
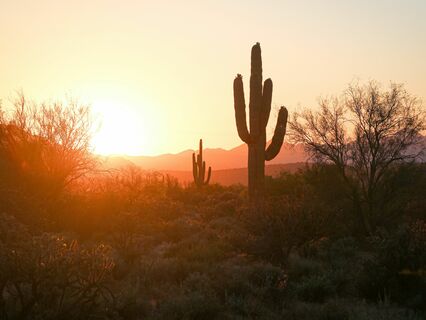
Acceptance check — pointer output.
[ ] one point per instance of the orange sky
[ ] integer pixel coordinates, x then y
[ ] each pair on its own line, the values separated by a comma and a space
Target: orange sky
160, 73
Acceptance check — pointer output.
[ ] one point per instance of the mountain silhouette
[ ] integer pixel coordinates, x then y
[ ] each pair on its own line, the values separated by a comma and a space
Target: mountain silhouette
228, 166
217, 158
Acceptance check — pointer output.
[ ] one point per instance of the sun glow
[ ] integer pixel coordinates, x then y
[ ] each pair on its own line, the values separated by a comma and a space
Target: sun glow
119, 131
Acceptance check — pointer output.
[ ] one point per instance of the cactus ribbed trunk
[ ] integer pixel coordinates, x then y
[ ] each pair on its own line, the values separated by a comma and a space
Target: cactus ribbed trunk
256, 165
259, 108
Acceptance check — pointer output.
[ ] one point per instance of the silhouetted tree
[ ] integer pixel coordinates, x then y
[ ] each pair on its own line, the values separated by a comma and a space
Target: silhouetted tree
365, 134
45, 146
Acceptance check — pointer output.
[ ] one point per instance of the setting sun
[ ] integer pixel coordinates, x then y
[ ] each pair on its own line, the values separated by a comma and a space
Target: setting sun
119, 130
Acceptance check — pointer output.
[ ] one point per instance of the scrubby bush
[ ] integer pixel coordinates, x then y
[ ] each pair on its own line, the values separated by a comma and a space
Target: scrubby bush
280, 226
339, 309
47, 276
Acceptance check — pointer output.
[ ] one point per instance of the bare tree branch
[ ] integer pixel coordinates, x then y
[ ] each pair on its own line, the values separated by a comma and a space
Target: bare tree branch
364, 134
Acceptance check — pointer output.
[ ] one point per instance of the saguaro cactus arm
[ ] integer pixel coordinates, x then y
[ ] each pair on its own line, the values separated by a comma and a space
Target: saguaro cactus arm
209, 174
266, 101
279, 133
194, 168
240, 110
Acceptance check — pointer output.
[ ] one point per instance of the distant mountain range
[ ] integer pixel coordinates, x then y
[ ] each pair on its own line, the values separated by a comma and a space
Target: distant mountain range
218, 159
228, 166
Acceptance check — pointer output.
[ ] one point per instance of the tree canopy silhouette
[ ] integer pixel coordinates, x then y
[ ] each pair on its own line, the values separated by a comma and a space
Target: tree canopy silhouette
364, 134
45, 146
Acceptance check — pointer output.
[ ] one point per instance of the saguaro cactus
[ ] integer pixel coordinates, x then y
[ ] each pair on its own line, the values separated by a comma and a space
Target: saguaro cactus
260, 108
199, 168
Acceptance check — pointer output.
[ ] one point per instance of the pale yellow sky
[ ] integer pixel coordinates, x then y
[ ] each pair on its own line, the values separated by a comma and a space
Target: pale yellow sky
160, 72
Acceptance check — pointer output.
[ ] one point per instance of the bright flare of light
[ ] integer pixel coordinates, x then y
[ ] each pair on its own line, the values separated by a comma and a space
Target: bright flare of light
120, 131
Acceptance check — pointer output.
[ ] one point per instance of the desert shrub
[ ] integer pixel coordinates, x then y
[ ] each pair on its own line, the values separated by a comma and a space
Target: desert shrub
85, 214
159, 207
132, 306
401, 194
249, 308
45, 276
286, 183
340, 309
178, 230
364, 311
280, 226
173, 270
189, 305
346, 260
412, 195
309, 279
396, 270
325, 189
219, 209
240, 284
333, 269
389, 266
198, 248
331, 310
315, 288
299, 267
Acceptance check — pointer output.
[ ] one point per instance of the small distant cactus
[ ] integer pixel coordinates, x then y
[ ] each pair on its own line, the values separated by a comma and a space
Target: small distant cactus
260, 108
199, 168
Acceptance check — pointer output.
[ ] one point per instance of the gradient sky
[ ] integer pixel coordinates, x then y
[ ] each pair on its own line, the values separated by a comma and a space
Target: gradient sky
160, 73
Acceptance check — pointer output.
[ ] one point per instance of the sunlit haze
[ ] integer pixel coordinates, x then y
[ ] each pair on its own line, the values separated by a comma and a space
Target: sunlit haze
159, 73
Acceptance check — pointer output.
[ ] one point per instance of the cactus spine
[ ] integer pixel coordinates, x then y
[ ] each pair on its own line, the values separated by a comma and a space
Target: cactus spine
260, 108
199, 168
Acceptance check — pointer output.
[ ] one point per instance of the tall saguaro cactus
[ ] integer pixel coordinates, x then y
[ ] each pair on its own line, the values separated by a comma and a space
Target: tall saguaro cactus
199, 168
260, 108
